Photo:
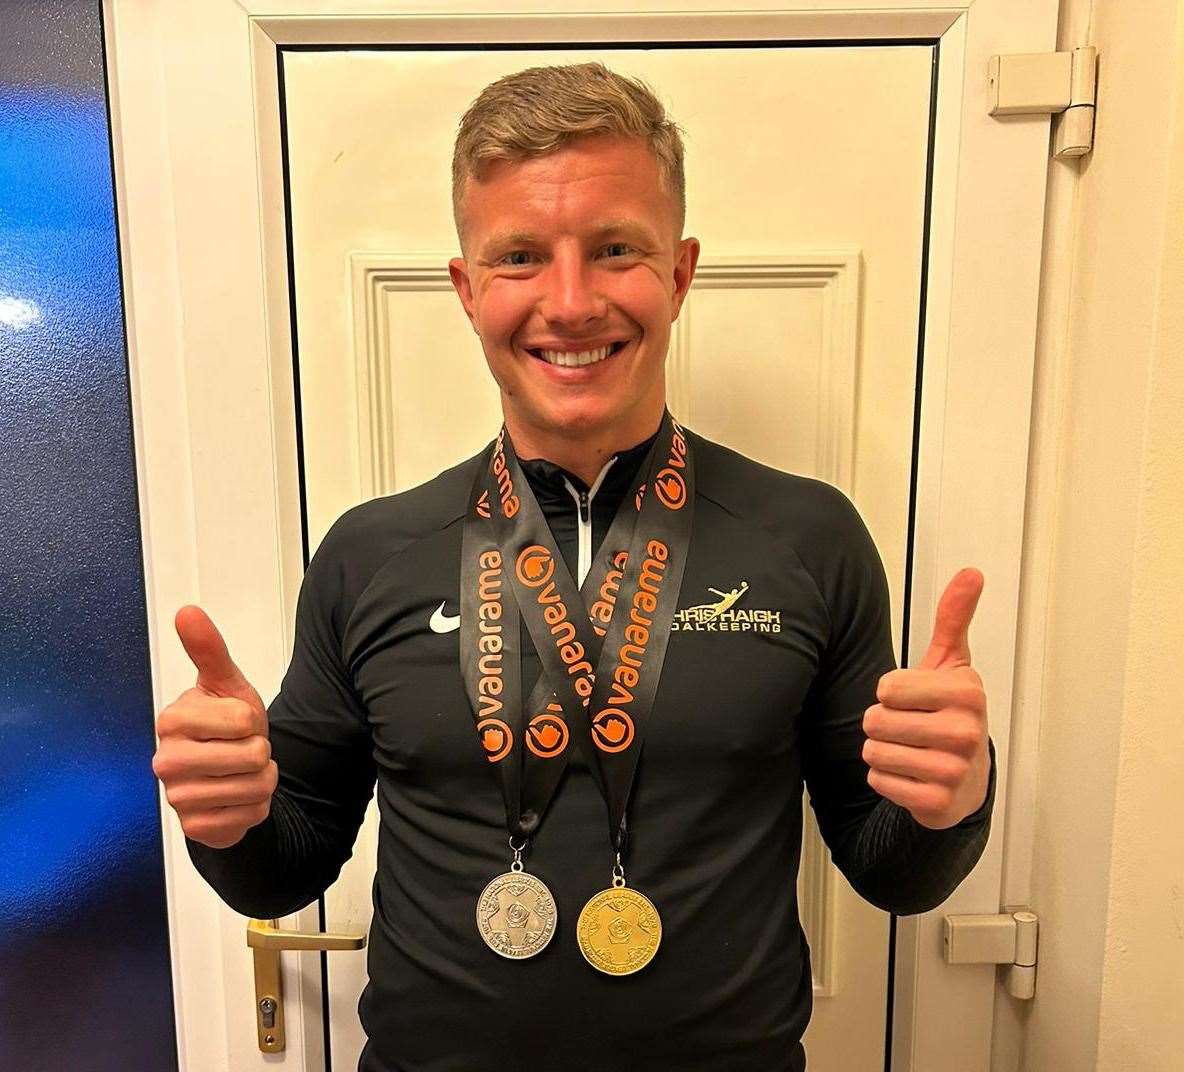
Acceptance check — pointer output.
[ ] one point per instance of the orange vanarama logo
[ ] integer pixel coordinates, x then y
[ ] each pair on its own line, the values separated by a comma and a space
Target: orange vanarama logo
547, 735
535, 566
612, 730
483, 504
501, 473
495, 738
671, 489
670, 486
612, 727
602, 610
489, 633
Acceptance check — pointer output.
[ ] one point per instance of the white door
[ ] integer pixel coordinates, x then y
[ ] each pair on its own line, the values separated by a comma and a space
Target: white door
829, 158
797, 264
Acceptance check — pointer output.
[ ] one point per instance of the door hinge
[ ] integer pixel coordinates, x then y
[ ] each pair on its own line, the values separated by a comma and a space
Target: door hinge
1047, 83
1008, 938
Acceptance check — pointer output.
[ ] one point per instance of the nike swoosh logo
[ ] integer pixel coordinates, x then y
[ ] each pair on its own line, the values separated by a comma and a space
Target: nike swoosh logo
443, 623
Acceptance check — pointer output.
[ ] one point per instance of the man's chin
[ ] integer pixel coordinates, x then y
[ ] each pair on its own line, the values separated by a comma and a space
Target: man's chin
593, 420
579, 418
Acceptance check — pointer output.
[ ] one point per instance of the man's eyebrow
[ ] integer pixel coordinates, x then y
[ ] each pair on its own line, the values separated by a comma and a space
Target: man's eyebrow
526, 238
623, 225
508, 238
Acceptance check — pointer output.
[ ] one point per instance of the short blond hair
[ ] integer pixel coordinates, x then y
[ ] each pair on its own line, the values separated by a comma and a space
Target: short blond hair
537, 110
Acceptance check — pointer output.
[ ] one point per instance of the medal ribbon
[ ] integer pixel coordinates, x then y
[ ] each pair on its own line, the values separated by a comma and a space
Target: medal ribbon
491, 667
511, 567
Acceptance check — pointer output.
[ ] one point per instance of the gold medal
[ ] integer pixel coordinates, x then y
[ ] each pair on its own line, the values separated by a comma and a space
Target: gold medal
516, 915
619, 930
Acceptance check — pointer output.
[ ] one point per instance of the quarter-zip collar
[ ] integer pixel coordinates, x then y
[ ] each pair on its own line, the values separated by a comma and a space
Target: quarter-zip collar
580, 515
547, 479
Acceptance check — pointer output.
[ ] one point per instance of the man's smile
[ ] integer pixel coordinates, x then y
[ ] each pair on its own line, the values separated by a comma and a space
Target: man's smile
572, 358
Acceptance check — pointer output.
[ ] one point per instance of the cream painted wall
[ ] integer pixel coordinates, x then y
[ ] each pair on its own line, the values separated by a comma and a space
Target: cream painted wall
1102, 605
1142, 1015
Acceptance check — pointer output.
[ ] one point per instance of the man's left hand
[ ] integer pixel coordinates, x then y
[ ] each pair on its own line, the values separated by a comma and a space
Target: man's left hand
927, 737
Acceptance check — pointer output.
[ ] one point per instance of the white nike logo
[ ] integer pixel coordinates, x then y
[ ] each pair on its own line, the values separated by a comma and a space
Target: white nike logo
443, 623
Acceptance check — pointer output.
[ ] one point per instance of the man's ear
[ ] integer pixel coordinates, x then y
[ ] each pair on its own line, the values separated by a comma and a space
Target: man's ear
684, 272
458, 272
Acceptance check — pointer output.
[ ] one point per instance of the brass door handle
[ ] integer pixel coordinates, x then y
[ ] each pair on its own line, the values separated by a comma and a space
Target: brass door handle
264, 934
266, 940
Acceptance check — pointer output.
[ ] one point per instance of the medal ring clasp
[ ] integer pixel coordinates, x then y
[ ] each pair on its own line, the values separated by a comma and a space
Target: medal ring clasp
618, 874
516, 865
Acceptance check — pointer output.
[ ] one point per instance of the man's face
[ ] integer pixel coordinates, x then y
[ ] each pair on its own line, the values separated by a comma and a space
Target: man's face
570, 252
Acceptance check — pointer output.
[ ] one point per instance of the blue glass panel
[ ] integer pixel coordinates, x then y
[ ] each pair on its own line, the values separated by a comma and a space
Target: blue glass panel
84, 961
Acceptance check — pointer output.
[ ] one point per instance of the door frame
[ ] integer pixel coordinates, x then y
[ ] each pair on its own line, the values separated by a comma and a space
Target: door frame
212, 392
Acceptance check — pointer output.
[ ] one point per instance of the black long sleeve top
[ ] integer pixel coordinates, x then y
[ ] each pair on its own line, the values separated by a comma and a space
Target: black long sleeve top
752, 700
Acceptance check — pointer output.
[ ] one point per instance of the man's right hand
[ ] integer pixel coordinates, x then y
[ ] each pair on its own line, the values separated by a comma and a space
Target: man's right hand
214, 756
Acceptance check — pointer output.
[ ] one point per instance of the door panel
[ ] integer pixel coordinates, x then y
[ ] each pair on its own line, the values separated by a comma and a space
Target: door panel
796, 346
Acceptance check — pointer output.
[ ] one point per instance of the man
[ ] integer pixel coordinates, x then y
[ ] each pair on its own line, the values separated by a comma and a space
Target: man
669, 937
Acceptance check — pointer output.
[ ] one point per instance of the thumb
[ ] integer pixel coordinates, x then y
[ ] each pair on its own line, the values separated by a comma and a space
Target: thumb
950, 645
217, 673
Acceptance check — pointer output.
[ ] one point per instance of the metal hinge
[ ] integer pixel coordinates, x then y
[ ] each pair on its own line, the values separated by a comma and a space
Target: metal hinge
1008, 938
1044, 83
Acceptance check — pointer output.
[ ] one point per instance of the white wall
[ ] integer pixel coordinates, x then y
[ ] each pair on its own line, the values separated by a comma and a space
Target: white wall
1102, 626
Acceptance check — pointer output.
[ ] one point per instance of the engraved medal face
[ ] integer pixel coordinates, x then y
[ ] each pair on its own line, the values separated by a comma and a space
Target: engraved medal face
516, 915
619, 931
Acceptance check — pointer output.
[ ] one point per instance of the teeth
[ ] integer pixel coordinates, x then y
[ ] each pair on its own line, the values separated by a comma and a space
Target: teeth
572, 360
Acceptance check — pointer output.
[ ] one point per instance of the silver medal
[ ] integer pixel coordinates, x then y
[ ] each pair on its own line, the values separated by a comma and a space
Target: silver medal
516, 915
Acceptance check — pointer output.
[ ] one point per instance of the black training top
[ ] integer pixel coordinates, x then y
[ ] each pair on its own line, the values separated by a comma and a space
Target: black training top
781, 635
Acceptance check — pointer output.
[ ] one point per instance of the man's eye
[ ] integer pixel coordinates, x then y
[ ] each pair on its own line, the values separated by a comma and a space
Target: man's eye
623, 246
515, 253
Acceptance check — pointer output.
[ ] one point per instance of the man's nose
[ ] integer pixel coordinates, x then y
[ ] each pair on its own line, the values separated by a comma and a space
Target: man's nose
571, 296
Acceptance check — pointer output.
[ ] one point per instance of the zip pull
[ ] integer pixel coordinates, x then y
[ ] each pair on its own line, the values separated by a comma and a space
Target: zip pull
583, 504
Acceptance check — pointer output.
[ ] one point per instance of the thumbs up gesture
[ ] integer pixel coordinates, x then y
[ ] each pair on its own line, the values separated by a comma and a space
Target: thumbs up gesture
927, 737
214, 756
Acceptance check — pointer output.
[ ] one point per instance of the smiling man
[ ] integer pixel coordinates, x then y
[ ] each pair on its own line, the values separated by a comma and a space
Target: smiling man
573, 271
601, 616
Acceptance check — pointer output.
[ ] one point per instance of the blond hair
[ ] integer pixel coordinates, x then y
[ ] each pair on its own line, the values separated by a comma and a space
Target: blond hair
538, 110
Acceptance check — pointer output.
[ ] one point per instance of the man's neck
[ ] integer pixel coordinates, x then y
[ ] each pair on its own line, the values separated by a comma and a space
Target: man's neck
583, 456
